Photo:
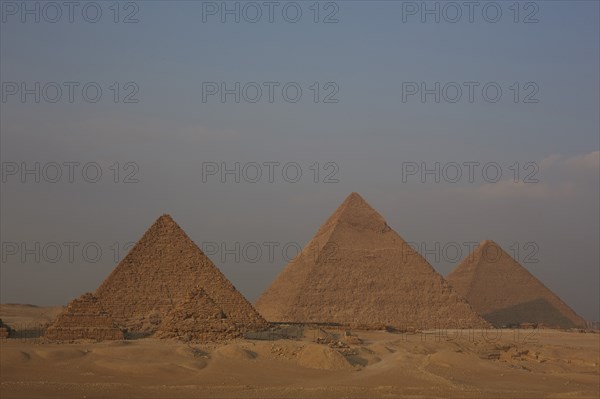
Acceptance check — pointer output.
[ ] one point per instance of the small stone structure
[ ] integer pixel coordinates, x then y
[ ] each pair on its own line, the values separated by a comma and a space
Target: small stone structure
84, 318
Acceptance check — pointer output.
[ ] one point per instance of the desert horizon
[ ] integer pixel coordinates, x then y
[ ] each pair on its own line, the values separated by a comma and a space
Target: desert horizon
166, 322
300, 199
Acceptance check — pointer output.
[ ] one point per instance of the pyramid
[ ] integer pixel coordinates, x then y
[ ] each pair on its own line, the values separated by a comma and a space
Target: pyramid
358, 271
505, 293
197, 318
159, 271
83, 318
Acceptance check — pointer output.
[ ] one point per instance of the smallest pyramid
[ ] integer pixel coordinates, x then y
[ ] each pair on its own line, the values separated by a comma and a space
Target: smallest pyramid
84, 318
197, 318
5, 330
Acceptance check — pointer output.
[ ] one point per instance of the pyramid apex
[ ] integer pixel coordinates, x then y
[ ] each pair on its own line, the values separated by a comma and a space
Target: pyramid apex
354, 201
488, 242
354, 196
166, 217
357, 212
165, 220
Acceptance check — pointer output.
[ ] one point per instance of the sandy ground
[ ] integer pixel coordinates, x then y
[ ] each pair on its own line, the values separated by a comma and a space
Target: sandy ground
27, 316
434, 364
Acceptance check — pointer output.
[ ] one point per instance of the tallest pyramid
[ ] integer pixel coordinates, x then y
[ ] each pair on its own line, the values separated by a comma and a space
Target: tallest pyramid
357, 270
159, 272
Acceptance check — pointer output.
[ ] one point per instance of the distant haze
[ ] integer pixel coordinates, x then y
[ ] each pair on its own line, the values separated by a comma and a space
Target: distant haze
375, 140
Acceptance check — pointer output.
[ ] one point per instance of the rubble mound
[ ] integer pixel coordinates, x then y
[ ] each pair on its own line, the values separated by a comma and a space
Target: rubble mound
197, 318
5, 330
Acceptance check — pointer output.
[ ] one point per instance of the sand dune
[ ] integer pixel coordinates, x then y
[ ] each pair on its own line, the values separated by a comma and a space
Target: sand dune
549, 363
322, 357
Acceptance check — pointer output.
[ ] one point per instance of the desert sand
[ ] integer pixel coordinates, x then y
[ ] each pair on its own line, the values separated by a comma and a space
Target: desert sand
429, 364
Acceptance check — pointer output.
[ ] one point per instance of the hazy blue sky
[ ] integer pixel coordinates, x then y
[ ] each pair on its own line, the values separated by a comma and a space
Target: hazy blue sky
368, 61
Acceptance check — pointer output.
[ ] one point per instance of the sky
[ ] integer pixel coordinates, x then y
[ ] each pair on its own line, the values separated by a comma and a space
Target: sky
250, 122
